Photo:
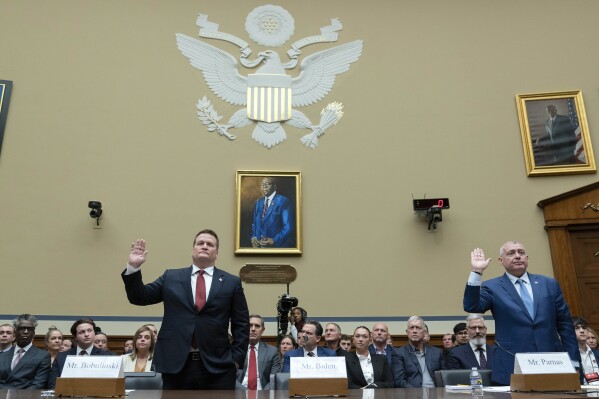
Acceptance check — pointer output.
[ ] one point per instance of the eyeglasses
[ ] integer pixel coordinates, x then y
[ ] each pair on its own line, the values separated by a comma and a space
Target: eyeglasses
23, 328
477, 328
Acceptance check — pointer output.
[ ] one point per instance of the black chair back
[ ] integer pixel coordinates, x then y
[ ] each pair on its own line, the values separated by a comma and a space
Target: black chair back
459, 377
149, 380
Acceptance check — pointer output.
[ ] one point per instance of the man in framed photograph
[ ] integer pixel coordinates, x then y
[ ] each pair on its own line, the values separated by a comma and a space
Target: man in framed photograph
558, 145
272, 225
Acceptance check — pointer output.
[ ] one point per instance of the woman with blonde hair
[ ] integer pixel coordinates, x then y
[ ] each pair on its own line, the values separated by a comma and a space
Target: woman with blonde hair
592, 338
140, 359
53, 342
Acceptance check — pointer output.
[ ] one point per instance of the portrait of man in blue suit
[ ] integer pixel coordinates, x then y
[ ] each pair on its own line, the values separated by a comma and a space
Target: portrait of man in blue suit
530, 312
273, 219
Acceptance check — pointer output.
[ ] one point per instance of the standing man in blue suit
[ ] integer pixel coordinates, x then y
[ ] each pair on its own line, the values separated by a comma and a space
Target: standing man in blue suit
273, 218
200, 301
476, 353
530, 312
311, 333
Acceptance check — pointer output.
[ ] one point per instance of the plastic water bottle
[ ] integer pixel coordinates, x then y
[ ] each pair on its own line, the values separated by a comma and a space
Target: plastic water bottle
476, 382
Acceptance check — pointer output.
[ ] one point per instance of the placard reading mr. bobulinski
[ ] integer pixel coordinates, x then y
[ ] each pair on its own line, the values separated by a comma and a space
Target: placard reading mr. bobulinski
93, 367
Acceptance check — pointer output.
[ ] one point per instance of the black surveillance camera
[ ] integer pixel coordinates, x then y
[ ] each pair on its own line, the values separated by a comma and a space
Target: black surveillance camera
96, 209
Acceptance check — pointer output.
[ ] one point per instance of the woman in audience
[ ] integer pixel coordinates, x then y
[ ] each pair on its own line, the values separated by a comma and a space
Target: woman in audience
67, 344
53, 342
140, 359
297, 318
365, 370
286, 344
592, 339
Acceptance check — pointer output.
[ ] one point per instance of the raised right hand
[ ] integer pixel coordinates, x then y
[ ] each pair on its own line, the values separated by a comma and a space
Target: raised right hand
138, 253
478, 261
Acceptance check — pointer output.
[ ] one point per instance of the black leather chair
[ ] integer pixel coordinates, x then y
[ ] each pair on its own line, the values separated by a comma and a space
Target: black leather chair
279, 381
459, 377
149, 380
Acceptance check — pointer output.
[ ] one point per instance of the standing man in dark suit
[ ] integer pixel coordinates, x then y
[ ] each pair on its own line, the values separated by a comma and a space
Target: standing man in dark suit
476, 353
200, 301
414, 365
84, 331
530, 312
273, 218
24, 366
311, 333
255, 374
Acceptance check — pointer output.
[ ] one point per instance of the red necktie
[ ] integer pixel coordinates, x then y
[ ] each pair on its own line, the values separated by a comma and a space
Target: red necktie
265, 207
200, 291
252, 373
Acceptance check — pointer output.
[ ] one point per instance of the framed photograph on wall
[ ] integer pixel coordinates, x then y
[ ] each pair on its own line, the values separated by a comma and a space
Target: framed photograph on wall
555, 133
5, 91
268, 215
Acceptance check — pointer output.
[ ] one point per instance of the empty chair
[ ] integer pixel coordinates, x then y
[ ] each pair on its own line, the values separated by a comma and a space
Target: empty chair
149, 380
459, 377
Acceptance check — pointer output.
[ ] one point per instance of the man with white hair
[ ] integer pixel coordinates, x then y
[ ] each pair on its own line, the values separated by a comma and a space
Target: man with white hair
476, 353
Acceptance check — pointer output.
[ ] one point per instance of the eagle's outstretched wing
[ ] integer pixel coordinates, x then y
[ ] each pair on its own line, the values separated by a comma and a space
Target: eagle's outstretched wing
319, 70
218, 67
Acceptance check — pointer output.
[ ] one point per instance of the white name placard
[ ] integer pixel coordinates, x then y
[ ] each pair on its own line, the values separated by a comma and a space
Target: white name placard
543, 363
317, 367
92, 367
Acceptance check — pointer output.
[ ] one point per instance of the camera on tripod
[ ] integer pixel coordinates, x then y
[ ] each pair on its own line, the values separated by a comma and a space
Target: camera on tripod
284, 306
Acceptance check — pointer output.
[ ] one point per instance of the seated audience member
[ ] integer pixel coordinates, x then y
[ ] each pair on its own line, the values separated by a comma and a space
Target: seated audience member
7, 337
261, 361
24, 366
101, 342
140, 360
332, 337
591, 338
286, 344
312, 331
153, 329
365, 370
389, 340
84, 332
380, 345
427, 336
589, 357
448, 341
414, 365
345, 342
297, 319
128, 346
461, 334
67, 344
477, 353
53, 342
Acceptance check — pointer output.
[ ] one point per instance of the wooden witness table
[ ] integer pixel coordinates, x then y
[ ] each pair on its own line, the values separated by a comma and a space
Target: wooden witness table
397, 393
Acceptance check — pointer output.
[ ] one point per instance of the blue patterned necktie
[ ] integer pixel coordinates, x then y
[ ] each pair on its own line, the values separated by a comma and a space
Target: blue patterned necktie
526, 298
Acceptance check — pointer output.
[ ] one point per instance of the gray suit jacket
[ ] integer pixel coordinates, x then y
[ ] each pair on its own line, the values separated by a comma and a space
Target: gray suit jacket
269, 362
31, 372
406, 368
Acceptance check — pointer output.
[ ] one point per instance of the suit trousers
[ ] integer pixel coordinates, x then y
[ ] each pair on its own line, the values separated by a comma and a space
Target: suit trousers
194, 376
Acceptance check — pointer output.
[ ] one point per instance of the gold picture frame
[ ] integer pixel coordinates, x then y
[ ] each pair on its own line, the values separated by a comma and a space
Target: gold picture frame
555, 133
270, 226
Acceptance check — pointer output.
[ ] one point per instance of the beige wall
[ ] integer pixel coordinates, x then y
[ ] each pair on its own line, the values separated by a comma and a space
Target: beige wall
103, 108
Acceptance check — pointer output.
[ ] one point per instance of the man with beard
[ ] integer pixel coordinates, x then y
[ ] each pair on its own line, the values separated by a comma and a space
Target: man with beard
476, 353
24, 366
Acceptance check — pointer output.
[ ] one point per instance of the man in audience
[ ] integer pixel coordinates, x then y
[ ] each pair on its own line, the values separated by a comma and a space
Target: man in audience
24, 366
255, 374
154, 330
380, 345
461, 334
530, 312
588, 356
310, 333
477, 353
128, 346
332, 338
101, 342
7, 337
414, 365
83, 330
345, 342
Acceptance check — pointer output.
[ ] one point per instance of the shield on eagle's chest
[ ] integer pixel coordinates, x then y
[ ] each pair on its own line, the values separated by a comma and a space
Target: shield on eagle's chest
269, 97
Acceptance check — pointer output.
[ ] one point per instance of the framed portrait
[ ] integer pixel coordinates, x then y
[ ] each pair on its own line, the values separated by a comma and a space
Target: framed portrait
5, 91
555, 134
268, 215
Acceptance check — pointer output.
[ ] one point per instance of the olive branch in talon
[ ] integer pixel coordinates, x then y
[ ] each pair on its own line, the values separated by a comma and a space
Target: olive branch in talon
209, 117
329, 116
